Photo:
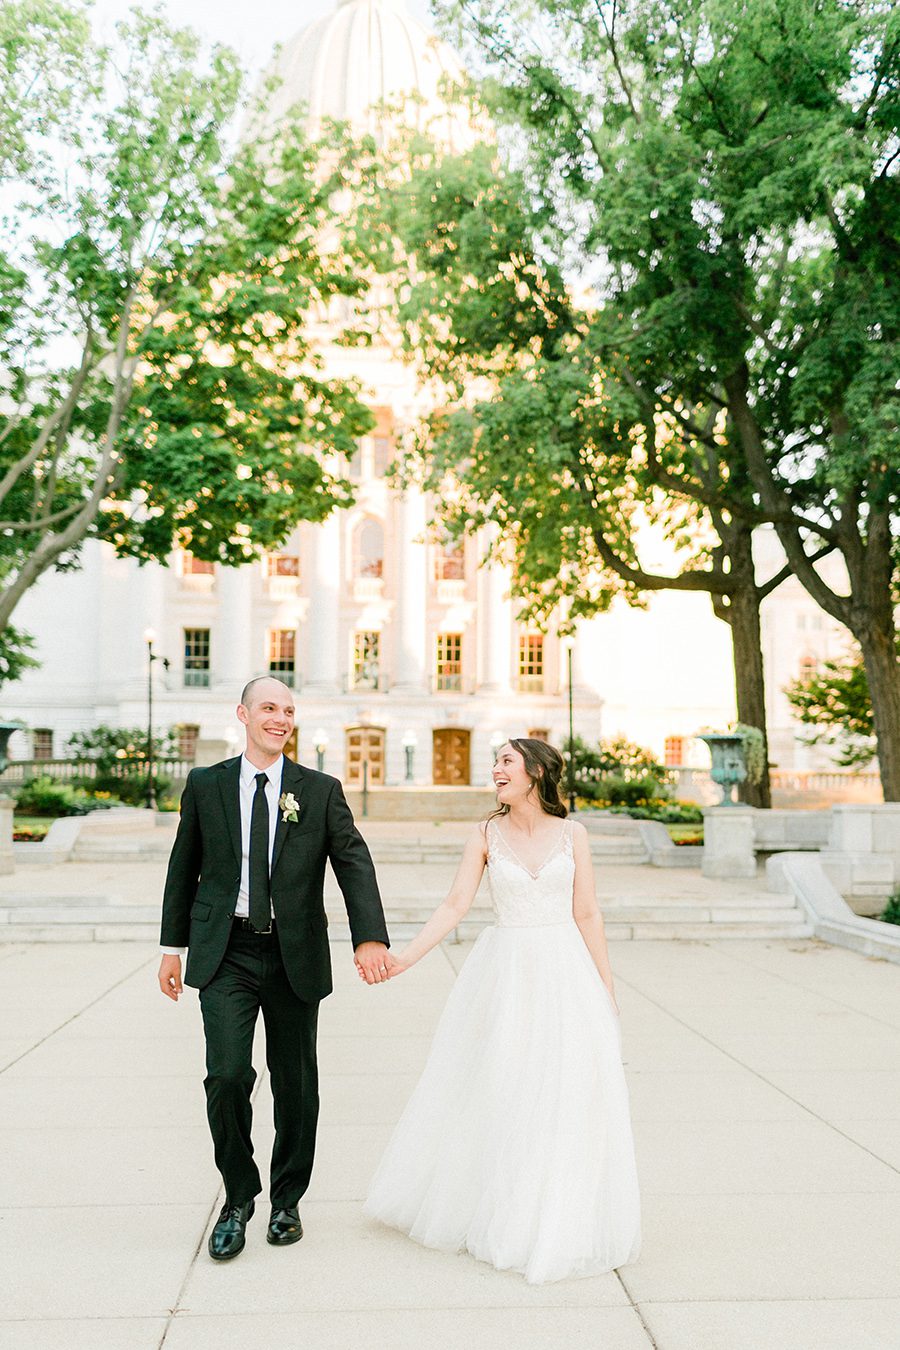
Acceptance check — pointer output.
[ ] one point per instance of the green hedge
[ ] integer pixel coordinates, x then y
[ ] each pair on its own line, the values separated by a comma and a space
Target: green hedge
47, 797
669, 813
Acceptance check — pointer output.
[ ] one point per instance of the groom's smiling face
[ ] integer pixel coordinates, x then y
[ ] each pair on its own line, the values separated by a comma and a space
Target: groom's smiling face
268, 715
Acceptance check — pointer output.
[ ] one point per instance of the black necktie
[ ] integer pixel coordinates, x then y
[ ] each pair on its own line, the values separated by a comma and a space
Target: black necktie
259, 856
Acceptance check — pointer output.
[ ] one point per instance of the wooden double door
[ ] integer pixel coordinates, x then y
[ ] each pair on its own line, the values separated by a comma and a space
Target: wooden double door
365, 745
450, 751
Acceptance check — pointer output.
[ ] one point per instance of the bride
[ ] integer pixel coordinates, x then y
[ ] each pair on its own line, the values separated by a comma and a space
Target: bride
516, 1143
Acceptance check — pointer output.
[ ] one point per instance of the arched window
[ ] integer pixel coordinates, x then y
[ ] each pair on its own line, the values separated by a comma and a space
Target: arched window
369, 549
808, 667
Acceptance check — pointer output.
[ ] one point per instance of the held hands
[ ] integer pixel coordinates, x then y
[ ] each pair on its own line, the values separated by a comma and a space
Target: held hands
170, 977
375, 964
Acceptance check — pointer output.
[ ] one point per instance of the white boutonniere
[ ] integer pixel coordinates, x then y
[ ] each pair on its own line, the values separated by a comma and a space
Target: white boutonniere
289, 806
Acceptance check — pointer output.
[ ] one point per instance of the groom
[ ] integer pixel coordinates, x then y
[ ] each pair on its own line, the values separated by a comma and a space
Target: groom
244, 896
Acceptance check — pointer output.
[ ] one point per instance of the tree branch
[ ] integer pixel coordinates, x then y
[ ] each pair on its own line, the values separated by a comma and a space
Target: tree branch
15, 471
614, 52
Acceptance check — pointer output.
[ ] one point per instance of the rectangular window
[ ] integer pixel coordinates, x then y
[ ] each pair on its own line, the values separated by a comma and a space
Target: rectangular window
673, 752
195, 567
282, 645
539, 733
365, 660
449, 660
381, 455
355, 464
282, 565
531, 661
188, 733
196, 658
42, 743
450, 561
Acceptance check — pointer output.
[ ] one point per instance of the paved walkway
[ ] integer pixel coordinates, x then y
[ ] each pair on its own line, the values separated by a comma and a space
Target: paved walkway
765, 1081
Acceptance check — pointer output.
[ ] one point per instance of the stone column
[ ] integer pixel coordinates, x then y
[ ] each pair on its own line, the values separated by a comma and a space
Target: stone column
494, 629
234, 652
323, 627
581, 683
411, 627
146, 609
728, 842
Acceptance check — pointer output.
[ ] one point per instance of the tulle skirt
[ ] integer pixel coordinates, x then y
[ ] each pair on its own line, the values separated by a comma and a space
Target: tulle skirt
516, 1143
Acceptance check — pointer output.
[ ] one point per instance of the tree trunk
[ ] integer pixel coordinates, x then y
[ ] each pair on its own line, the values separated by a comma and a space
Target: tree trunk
878, 642
749, 681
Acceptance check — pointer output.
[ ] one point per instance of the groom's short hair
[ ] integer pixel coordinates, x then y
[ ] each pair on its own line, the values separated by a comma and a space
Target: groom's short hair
247, 691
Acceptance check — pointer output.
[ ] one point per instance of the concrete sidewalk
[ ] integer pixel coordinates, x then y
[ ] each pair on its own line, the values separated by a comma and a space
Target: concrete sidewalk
765, 1081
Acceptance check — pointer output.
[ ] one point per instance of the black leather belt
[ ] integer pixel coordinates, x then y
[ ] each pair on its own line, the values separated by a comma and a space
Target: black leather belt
246, 926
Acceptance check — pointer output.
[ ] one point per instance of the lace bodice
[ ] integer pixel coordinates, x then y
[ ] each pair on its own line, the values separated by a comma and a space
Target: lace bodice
525, 899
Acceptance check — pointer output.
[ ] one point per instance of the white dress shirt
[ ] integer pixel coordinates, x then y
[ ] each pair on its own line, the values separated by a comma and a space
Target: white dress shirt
247, 793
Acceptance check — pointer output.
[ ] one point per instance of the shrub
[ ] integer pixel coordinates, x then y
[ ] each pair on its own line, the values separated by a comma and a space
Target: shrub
616, 771
112, 748
46, 797
668, 812
891, 911
129, 788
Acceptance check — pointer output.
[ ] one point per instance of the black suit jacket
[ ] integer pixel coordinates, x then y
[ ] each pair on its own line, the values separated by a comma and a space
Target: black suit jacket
204, 875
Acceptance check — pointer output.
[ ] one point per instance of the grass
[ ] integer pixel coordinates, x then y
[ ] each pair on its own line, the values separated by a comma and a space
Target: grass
685, 834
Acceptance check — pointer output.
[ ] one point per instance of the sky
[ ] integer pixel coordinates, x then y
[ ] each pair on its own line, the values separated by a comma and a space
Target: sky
252, 27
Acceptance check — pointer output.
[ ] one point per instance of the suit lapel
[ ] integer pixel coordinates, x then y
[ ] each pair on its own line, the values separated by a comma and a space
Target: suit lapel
291, 781
230, 792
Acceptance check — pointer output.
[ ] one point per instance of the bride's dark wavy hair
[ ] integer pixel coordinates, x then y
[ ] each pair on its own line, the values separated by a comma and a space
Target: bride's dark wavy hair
544, 766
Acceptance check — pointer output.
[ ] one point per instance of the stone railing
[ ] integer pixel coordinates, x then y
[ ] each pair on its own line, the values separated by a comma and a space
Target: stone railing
790, 787
64, 770
858, 846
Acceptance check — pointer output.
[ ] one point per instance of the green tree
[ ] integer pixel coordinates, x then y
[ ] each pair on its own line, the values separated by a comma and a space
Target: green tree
835, 702
559, 450
156, 292
726, 177
118, 747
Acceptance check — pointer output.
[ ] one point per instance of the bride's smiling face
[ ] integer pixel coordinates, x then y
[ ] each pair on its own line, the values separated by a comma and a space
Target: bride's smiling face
510, 776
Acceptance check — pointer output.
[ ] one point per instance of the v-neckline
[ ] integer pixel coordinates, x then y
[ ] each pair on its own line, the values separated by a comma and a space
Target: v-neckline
524, 866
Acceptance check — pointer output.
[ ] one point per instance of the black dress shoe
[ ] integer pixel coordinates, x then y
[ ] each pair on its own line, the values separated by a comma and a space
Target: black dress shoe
284, 1227
227, 1238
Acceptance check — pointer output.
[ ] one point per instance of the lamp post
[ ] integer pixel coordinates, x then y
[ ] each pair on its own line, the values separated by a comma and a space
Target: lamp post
409, 743
150, 638
320, 745
568, 643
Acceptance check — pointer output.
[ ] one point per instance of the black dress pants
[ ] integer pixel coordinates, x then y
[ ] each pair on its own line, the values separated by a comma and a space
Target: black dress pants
252, 977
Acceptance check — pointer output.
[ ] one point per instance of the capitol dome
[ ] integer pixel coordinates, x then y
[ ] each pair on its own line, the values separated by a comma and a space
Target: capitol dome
363, 54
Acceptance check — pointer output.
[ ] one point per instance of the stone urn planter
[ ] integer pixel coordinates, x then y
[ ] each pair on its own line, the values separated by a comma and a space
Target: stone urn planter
729, 763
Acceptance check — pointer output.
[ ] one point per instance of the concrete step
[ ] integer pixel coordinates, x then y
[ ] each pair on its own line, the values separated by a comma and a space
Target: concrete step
89, 919
154, 846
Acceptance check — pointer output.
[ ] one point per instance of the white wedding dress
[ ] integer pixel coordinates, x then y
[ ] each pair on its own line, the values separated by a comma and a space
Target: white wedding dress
516, 1143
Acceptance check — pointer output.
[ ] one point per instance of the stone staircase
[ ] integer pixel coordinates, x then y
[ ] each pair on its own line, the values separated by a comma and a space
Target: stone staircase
149, 844
662, 912
416, 863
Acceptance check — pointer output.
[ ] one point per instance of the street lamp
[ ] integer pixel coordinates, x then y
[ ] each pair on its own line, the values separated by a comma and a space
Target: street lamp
409, 742
568, 643
150, 638
320, 745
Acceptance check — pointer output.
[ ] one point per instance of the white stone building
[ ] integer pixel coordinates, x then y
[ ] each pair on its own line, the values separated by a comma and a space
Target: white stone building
405, 654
